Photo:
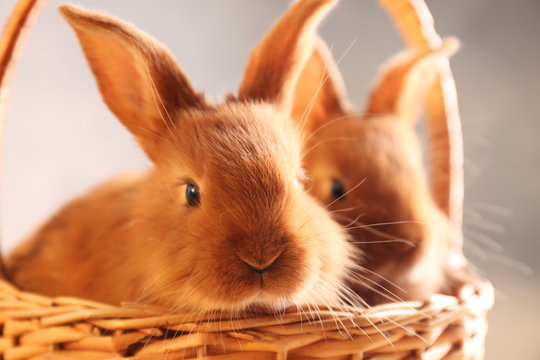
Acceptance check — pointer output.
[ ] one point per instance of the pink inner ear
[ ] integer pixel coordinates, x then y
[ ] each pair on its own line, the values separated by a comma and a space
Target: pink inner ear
130, 80
125, 69
403, 87
415, 88
120, 81
385, 96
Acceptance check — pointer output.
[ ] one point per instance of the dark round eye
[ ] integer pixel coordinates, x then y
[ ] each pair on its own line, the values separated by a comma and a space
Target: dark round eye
193, 196
338, 190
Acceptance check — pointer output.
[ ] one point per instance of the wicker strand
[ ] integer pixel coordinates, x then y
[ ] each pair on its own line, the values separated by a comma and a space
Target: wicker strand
436, 329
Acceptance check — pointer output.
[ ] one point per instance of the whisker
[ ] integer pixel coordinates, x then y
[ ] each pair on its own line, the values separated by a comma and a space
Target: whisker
392, 241
346, 210
311, 104
156, 93
388, 223
335, 317
325, 78
341, 138
385, 279
484, 240
328, 123
346, 193
494, 209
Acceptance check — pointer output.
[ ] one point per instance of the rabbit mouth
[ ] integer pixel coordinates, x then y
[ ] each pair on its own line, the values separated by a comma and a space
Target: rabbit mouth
265, 302
295, 286
310, 291
261, 290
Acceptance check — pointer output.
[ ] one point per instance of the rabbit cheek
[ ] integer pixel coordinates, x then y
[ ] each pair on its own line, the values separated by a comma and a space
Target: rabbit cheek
225, 281
234, 283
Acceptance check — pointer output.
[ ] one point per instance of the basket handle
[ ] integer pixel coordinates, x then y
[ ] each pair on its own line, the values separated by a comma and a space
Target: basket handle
12, 41
415, 23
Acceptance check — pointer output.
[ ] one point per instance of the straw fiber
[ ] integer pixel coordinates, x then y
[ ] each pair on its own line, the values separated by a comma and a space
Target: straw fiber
445, 327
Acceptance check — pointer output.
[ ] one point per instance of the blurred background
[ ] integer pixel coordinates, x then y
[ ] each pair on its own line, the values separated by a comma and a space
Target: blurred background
60, 139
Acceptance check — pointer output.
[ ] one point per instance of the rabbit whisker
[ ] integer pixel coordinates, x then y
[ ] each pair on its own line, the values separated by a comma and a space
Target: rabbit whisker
311, 104
338, 138
307, 111
328, 123
155, 94
388, 241
346, 193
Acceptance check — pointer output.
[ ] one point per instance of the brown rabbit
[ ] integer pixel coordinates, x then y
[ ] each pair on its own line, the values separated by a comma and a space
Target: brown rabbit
368, 170
220, 221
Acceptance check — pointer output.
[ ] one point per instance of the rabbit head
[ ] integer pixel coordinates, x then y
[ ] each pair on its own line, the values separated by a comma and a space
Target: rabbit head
368, 170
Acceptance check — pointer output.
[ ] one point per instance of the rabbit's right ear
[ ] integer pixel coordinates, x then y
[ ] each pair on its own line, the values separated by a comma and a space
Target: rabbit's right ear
319, 94
406, 80
276, 63
137, 76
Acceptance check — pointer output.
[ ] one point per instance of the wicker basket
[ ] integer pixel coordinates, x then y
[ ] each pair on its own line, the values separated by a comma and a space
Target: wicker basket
445, 327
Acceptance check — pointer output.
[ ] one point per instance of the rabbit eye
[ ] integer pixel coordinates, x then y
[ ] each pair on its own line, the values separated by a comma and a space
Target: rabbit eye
338, 190
193, 196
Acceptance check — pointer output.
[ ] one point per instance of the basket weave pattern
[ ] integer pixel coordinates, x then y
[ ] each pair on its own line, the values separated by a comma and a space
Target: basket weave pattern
445, 327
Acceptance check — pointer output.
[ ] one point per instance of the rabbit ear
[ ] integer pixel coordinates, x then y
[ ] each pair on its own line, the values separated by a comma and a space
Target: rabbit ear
406, 81
138, 77
319, 94
275, 64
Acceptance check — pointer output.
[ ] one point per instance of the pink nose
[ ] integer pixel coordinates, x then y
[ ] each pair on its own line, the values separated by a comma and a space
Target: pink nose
258, 268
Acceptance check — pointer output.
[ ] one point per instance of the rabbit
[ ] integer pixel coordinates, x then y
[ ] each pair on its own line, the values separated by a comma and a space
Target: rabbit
221, 221
368, 170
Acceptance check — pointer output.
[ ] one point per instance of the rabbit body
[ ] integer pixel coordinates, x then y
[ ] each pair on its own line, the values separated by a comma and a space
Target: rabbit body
129, 239
221, 220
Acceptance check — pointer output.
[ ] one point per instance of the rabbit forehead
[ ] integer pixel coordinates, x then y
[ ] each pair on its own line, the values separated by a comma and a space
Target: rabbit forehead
236, 134
358, 150
254, 152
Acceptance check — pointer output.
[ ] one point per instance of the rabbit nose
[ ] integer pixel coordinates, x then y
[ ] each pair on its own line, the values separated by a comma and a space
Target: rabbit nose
258, 267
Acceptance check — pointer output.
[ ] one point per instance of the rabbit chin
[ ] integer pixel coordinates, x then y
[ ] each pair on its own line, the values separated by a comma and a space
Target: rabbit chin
259, 300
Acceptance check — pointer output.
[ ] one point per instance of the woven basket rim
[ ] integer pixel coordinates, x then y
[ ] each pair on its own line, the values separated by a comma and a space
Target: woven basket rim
71, 326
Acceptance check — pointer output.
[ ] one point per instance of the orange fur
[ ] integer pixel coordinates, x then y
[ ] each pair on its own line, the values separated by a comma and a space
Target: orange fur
135, 238
378, 159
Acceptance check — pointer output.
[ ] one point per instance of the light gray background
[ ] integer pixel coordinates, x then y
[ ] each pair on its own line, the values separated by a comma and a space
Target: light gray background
60, 138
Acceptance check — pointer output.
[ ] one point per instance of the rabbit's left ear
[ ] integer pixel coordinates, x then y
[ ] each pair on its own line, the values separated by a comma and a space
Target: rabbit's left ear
275, 64
139, 79
406, 80
319, 94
